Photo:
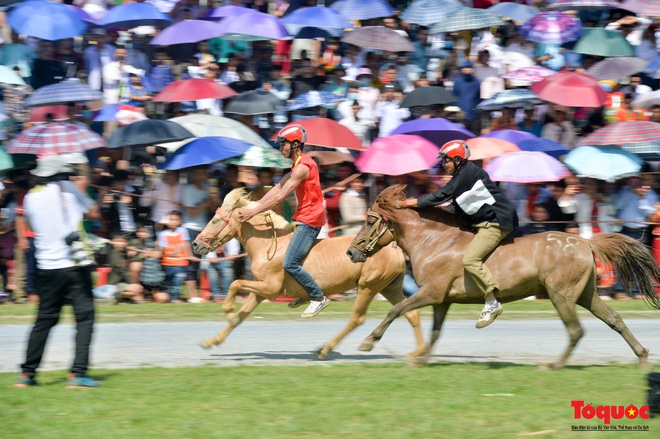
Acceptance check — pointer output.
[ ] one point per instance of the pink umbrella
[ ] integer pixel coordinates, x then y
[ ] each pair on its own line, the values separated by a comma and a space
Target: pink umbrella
571, 89
632, 131
484, 148
529, 74
398, 154
526, 167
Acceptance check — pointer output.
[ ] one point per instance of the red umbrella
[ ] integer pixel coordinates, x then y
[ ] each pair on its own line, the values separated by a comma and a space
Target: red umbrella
571, 89
328, 133
194, 89
486, 148
633, 131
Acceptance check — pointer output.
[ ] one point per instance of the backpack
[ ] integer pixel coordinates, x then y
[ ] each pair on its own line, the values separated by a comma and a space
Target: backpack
654, 393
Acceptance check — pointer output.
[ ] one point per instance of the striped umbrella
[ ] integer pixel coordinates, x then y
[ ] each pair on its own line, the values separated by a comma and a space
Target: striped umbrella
378, 38
617, 67
514, 11
515, 97
644, 149
362, 9
650, 8
63, 93
428, 12
467, 18
633, 131
54, 139
529, 74
551, 28
261, 157
584, 5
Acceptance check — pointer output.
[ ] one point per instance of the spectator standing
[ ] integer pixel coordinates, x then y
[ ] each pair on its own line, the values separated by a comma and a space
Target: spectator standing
352, 206
163, 197
560, 129
593, 209
467, 90
388, 110
116, 77
97, 54
46, 69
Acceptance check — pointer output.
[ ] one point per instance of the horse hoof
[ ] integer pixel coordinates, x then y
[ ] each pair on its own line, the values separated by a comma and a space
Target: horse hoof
366, 346
549, 366
228, 308
205, 344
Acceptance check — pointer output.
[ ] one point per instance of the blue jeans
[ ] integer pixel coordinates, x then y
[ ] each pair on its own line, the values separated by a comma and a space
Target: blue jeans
409, 286
221, 275
174, 277
299, 247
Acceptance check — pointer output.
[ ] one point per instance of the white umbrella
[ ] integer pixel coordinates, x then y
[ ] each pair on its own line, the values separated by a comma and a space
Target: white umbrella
647, 100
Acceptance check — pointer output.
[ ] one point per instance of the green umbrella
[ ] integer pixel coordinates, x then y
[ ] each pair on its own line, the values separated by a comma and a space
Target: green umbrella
261, 157
603, 42
6, 161
8, 76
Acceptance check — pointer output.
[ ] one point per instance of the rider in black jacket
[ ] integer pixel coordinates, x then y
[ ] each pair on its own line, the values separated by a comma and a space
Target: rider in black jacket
491, 214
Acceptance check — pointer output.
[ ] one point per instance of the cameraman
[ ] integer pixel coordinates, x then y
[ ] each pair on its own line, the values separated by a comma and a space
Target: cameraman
54, 208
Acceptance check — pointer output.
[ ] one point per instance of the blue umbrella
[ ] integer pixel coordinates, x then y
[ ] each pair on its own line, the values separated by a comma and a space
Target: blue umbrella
64, 92
539, 144
514, 11
362, 9
204, 151
107, 113
130, 15
254, 26
46, 20
609, 163
427, 12
317, 17
221, 12
515, 97
313, 99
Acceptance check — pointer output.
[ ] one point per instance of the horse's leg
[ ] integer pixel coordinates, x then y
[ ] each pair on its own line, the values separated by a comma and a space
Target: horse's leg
418, 300
251, 286
362, 301
394, 295
248, 306
439, 314
612, 319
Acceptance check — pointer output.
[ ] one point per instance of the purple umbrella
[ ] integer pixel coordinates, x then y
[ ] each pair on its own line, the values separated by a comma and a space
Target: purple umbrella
512, 136
438, 130
254, 26
551, 28
526, 167
187, 31
216, 14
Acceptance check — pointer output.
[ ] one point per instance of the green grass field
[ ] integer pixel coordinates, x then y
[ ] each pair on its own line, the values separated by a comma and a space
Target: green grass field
352, 401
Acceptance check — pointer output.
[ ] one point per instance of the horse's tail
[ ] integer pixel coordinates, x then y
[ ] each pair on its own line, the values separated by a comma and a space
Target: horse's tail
634, 261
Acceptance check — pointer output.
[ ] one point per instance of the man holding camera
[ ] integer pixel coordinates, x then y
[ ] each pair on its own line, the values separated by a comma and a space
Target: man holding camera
54, 208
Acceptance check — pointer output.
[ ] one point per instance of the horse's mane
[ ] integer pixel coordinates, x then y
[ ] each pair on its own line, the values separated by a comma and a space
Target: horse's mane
389, 198
240, 198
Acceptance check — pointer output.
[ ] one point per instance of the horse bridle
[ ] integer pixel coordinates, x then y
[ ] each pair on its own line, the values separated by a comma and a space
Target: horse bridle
366, 244
206, 240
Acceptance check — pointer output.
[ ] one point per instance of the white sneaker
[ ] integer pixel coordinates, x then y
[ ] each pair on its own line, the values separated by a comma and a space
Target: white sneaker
315, 307
488, 315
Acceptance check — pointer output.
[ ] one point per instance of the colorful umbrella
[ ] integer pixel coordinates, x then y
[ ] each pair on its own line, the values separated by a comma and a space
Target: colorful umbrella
47, 20
148, 133
255, 26
649, 150
529, 74
547, 146
608, 163
130, 15
8, 76
633, 131
514, 11
466, 19
514, 98
571, 89
398, 154
583, 5
428, 12
261, 157
187, 31
205, 151
647, 100
54, 139
225, 11
318, 17
526, 167
328, 133
204, 125
253, 102
362, 9
603, 42
427, 96
194, 89
313, 99
436, 130
617, 68
483, 148
551, 28
378, 38
327, 158
63, 93
649, 8
513, 136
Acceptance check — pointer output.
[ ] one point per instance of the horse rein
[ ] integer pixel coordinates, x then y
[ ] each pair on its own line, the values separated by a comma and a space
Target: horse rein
206, 240
376, 231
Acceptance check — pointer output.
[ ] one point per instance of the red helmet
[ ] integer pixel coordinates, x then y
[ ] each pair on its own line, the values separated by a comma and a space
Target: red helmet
291, 133
455, 148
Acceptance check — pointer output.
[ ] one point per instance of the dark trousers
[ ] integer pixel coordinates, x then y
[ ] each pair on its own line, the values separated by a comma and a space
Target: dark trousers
55, 289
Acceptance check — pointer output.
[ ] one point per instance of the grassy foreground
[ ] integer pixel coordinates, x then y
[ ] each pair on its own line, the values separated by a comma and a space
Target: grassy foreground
352, 401
524, 309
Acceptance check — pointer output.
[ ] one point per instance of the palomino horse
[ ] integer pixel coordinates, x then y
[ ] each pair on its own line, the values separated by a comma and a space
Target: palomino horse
557, 264
266, 237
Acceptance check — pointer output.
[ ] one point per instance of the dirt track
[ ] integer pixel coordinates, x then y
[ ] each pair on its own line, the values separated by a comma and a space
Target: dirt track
131, 345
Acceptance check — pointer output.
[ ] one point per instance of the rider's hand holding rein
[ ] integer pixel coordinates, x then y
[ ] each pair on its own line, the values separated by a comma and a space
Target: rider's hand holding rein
410, 202
246, 214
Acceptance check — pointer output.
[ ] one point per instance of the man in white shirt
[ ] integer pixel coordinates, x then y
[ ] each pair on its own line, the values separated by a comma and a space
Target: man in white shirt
97, 54
389, 110
115, 77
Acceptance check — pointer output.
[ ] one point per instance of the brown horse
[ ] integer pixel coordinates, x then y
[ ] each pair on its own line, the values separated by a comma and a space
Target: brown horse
266, 237
557, 264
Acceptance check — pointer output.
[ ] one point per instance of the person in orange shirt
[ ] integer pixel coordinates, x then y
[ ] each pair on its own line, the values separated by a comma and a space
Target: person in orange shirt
175, 244
304, 180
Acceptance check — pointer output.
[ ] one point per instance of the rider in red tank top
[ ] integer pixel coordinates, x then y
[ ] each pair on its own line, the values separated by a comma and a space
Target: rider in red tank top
308, 193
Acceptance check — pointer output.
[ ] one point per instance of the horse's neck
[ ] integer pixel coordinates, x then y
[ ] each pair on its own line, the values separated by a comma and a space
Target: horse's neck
254, 239
414, 233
